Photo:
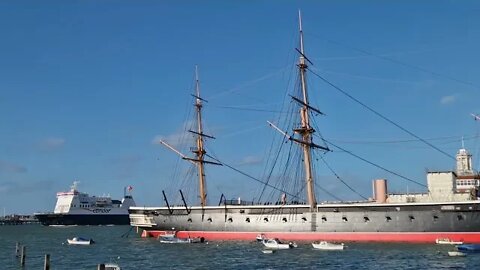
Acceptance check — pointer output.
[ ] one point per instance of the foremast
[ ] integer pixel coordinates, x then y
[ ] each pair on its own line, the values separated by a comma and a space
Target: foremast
199, 151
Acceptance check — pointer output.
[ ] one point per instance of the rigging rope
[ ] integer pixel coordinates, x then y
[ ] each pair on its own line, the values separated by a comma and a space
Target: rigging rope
341, 180
380, 115
251, 177
376, 165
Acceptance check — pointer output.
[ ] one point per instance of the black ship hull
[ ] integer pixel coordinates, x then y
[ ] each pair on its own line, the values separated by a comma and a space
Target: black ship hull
71, 219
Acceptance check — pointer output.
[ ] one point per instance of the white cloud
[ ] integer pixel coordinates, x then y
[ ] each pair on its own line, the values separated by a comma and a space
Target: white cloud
177, 139
445, 100
11, 168
51, 143
250, 160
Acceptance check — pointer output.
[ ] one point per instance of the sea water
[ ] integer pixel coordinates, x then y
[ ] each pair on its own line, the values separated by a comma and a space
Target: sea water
122, 245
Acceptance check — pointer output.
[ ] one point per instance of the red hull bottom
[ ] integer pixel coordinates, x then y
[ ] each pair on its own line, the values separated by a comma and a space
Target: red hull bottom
420, 237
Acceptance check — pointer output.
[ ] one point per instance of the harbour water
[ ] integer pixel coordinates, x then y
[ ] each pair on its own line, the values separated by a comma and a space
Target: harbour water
133, 252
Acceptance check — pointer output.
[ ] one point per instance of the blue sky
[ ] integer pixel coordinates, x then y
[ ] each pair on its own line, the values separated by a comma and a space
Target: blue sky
87, 86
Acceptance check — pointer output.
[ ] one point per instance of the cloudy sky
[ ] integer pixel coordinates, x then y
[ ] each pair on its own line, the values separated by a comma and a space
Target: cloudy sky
88, 87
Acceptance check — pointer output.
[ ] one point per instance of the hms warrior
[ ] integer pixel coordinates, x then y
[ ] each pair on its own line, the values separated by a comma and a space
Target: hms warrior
449, 209
77, 208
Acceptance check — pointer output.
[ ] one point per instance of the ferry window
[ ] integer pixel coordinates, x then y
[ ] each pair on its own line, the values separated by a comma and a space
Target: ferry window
247, 220
189, 220
230, 219
304, 219
265, 219
460, 217
411, 218
344, 219
366, 219
388, 218
324, 218
284, 219
209, 219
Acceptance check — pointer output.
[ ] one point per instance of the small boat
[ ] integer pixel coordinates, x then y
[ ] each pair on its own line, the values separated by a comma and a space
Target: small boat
447, 241
268, 251
80, 241
469, 247
327, 246
112, 266
170, 238
275, 243
456, 254
260, 237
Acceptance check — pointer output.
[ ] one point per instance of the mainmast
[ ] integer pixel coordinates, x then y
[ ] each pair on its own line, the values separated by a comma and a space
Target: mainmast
199, 151
305, 131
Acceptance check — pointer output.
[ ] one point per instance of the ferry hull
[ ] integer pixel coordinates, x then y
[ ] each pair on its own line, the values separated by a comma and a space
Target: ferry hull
71, 219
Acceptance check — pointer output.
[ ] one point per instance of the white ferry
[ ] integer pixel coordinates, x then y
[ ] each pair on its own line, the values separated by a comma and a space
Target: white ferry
78, 208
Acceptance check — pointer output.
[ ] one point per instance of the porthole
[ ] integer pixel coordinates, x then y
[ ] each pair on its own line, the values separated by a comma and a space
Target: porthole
388, 218
344, 219
230, 220
209, 219
304, 219
460, 217
247, 220
284, 219
324, 218
189, 220
412, 218
265, 219
435, 218
366, 219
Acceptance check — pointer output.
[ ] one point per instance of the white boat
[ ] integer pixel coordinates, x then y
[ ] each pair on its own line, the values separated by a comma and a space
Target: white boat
268, 251
328, 246
447, 241
80, 241
260, 237
275, 243
112, 266
173, 239
456, 254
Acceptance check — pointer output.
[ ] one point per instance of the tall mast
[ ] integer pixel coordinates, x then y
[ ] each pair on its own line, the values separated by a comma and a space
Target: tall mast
306, 130
200, 151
